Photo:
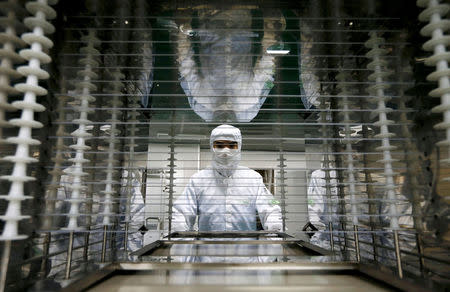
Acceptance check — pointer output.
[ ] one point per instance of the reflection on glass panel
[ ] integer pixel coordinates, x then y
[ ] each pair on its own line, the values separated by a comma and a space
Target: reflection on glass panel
225, 68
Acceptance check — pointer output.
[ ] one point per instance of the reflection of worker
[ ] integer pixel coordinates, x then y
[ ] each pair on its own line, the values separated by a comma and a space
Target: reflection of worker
225, 196
322, 209
227, 64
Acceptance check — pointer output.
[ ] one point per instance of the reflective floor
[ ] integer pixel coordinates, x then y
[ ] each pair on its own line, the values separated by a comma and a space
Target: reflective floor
226, 280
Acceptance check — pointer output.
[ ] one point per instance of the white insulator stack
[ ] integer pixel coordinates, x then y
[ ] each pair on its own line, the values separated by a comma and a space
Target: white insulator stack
379, 68
436, 28
58, 160
35, 56
110, 182
8, 57
83, 89
344, 92
131, 145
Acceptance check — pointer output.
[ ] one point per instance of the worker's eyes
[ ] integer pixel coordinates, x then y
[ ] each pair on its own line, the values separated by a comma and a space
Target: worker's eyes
230, 145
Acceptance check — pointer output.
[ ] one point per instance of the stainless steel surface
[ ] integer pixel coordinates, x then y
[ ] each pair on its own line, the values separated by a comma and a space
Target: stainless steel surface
229, 244
225, 247
306, 266
236, 281
229, 250
386, 276
229, 234
261, 277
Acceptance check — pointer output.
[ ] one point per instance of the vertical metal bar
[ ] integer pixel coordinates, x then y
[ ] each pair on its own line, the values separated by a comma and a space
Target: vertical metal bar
86, 244
45, 249
374, 244
171, 179
330, 226
105, 236
125, 238
344, 229
358, 252
282, 189
144, 191
420, 252
112, 242
5, 261
397, 254
69, 255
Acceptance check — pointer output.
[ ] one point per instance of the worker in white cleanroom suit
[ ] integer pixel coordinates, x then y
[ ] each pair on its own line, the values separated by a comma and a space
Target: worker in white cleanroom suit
322, 209
226, 196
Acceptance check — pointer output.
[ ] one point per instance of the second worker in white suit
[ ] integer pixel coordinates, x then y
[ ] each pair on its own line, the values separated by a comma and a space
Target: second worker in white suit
226, 196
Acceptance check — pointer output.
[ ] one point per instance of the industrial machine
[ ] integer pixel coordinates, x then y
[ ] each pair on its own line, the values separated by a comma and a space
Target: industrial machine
106, 108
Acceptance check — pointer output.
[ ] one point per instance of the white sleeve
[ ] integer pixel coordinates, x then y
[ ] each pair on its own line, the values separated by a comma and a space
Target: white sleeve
268, 209
184, 210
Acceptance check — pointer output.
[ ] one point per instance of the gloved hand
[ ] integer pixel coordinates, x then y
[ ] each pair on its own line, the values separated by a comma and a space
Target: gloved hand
276, 227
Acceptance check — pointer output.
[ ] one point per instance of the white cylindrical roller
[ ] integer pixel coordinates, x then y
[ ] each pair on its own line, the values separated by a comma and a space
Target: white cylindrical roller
378, 65
8, 57
110, 183
434, 13
39, 25
83, 89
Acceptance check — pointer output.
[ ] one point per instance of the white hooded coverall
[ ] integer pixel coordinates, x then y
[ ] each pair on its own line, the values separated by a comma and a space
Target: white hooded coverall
225, 196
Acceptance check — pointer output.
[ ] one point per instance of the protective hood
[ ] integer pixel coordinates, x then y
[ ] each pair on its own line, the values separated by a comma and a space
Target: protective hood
225, 161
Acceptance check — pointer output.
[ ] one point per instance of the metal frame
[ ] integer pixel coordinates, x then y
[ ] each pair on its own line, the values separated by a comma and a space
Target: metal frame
227, 234
201, 238
159, 243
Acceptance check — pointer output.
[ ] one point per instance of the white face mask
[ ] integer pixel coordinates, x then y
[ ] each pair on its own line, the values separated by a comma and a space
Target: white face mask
225, 153
226, 160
